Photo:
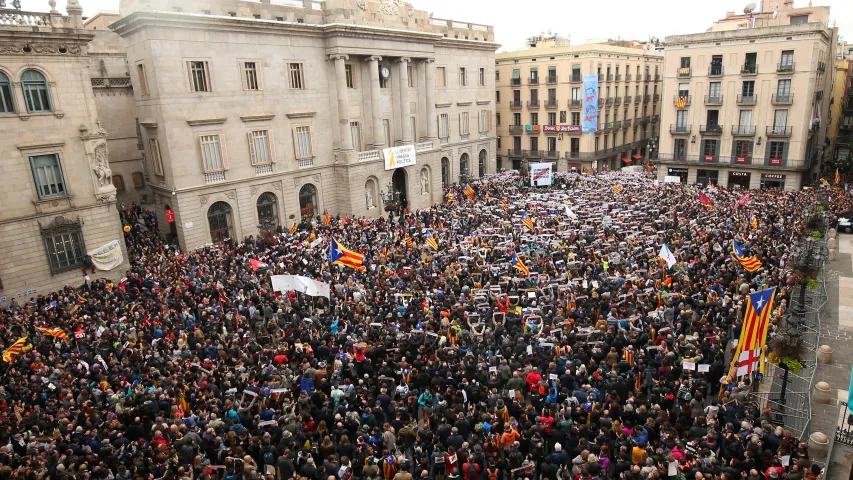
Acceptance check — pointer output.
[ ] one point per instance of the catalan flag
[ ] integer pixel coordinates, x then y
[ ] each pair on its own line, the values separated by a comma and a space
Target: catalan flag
293, 228
327, 219
837, 176
53, 332
638, 382
527, 220
183, 403
753, 221
450, 198
519, 265
389, 467
681, 102
629, 356
585, 169
616, 189
503, 203
343, 256
81, 299
751, 264
753, 333
409, 242
469, 192
14, 349
431, 241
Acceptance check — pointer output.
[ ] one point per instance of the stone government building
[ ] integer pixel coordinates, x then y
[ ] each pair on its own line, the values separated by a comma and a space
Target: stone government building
262, 112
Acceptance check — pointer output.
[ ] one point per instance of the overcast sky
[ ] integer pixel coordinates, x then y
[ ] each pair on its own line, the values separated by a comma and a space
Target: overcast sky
515, 21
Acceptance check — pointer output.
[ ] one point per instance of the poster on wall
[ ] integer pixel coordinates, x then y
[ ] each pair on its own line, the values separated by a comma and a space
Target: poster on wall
589, 122
107, 257
541, 174
401, 156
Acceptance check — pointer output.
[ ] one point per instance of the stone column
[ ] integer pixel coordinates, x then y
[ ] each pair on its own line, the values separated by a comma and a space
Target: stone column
405, 122
375, 100
343, 100
421, 86
431, 120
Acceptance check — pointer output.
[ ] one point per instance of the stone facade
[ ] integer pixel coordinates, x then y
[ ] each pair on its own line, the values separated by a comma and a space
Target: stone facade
57, 199
279, 111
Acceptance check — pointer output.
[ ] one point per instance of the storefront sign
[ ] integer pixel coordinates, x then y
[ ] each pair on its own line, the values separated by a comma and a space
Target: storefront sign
677, 171
531, 128
739, 174
561, 128
709, 158
775, 161
773, 176
170, 216
108, 257
742, 159
402, 156
575, 166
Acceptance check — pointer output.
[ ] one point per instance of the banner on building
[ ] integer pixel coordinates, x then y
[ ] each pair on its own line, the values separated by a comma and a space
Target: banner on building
541, 174
107, 257
401, 156
286, 283
589, 122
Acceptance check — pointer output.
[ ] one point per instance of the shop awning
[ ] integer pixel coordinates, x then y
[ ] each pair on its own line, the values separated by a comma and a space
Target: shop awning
637, 156
626, 159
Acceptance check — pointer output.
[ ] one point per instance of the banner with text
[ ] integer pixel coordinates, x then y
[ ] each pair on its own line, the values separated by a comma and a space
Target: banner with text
589, 122
285, 283
541, 174
401, 156
107, 257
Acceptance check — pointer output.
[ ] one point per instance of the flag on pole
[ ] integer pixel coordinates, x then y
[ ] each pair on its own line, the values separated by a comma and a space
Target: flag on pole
616, 189
706, 200
527, 220
14, 349
518, 264
81, 300
341, 255
753, 221
837, 176
409, 242
431, 241
751, 264
743, 200
53, 332
667, 256
327, 219
257, 264
753, 334
469, 192
293, 228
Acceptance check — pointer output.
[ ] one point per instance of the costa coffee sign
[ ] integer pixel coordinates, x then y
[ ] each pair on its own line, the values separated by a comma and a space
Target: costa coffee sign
773, 176
739, 174
561, 128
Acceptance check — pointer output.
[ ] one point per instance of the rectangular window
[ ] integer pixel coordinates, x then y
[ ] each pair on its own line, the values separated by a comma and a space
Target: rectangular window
596, 143
552, 118
482, 77
562, 116
516, 143
118, 183
714, 89
710, 147
260, 149
745, 120
534, 96
212, 157
485, 121
497, 96
65, 247
441, 76
787, 60
780, 119
463, 123
47, 173
350, 77
680, 148
355, 131
534, 143
251, 80
304, 142
576, 118
497, 75
681, 118
199, 76
799, 19
742, 148
156, 161
7, 99
463, 77
685, 62
575, 145
783, 89
534, 75
576, 94
552, 96
552, 144
297, 81
534, 118
748, 89
776, 149
386, 132
443, 131
552, 74
516, 119
143, 80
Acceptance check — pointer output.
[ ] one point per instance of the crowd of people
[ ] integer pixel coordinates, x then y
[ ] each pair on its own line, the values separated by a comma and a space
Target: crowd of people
429, 363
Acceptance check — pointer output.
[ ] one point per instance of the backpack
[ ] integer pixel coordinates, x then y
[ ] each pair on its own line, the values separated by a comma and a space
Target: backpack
269, 458
492, 474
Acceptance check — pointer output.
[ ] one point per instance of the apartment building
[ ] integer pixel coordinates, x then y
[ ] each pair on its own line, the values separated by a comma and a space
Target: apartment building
841, 131
540, 104
749, 106
56, 189
259, 114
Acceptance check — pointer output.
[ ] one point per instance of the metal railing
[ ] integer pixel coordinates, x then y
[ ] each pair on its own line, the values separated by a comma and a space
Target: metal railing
609, 77
575, 104
514, 152
551, 103
786, 68
609, 101
773, 131
743, 130
683, 72
516, 129
714, 100
627, 123
647, 98
627, 77
628, 99
748, 69
551, 154
782, 99
552, 80
515, 82
680, 129
617, 101
709, 130
532, 153
746, 99
533, 104
576, 78
533, 81
618, 77
515, 104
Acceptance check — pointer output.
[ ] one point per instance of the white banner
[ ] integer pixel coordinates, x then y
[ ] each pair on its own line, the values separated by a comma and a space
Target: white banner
401, 156
284, 283
107, 257
540, 174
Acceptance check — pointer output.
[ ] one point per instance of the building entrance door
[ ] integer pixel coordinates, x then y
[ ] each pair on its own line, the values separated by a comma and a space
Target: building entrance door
400, 187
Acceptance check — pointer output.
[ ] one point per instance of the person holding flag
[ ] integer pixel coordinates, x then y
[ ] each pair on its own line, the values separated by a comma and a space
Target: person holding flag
526, 220
341, 255
519, 265
430, 240
750, 263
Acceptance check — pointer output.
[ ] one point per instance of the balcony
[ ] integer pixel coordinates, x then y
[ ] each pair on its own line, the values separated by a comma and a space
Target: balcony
214, 177
627, 77
746, 99
600, 77
743, 130
616, 125
576, 78
609, 101
627, 123
600, 102
551, 104
551, 80
782, 99
532, 153
683, 72
516, 129
680, 129
647, 98
781, 164
779, 132
714, 100
515, 152
785, 68
715, 71
687, 102
656, 98
655, 119
588, 156
639, 77
551, 155
617, 101
618, 77
515, 82
642, 122
657, 77
638, 99
628, 99
305, 162
710, 130
263, 169
533, 81
533, 104
516, 104
575, 104
609, 77
748, 69
648, 77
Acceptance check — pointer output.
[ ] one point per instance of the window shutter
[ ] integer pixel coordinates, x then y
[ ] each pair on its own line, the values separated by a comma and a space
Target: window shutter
461, 131
734, 150
253, 157
271, 146
767, 153
190, 75
295, 143
785, 153
223, 152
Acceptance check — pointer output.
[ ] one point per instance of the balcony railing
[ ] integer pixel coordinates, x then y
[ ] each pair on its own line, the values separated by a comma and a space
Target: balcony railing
683, 72
782, 99
551, 103
746, 160
532, 153
715, 71
785, 68
600, 102
576, 78
743, 130
639, 77
774, 131
264, 169
369, 155
533, 104
609, 101
617, 101
656, 97
515, 104
427, 146
533, 81
604, 127
516, 129
609, 77
638, 99
680, 129
710, 130
513, 152
655, 119
657, 77
686, 104
748, 69
214, 177
515, 82
581, 156
648, 77
746, 99
627, 123
643, 121
647, 98
617, 125
628, 99
714, 100
627, 77
600, 77
552, 80
575, 104
618, 77
551, 154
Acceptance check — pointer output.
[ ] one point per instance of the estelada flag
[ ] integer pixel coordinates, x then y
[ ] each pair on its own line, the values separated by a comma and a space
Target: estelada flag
326, 218
257, 264
409, 242
341, 255
14, 349
469, 192
753, 334
518, 264
527, 220
53, 332
837, 176
431, 241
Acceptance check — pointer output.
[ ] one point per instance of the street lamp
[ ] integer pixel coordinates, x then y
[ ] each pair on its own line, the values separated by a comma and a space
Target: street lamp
652, 147
389, 195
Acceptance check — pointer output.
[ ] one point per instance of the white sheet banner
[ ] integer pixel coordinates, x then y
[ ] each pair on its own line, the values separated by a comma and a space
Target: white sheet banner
284, 283
401, 156
540, 174
107, 257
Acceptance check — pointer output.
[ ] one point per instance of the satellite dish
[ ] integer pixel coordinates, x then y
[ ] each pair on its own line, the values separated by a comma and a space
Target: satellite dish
749, 8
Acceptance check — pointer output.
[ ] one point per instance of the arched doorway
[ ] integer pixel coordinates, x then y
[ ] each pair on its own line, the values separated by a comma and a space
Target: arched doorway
445, 171
170, 219
220, 221
481, 163
307, 200
399, 181
463, 168
268, 212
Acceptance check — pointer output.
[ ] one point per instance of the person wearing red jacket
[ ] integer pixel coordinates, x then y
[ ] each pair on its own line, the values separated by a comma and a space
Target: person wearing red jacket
533, 379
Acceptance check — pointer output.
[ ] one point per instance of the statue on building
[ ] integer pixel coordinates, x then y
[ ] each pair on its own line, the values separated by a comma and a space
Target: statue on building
16, 4
424, 182
101, 167
369, 196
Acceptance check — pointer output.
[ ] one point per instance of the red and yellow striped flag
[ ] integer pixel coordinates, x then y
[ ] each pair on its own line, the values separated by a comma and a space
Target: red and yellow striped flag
293, 228
327, 219
753, 334
53, 332
469, 192
14, 349
409, 242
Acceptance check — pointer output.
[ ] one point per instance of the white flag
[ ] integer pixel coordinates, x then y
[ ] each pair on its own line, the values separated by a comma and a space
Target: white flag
668, 257
570, 213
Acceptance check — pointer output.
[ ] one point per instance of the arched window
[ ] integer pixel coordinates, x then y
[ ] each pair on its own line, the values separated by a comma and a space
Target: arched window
445, 171
7, 97
308, 200
219, 219
118, 182
36, 92
482, 163
268, 211
138, 180
463, 168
